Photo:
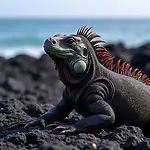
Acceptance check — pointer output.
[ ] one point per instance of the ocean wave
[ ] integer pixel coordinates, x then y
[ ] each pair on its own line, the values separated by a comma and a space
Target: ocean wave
11, 52
27, 36
20, 41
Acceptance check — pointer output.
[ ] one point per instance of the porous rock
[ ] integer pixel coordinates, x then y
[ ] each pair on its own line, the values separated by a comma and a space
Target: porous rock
29, 87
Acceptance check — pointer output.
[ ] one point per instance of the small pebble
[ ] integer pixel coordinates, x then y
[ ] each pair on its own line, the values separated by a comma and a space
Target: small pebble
93, 146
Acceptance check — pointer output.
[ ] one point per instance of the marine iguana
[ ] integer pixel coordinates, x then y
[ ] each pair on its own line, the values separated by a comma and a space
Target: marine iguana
103, 92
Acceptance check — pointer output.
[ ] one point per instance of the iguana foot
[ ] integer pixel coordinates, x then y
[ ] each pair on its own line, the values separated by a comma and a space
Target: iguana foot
67, 129
54, 125
28, 123
39, 122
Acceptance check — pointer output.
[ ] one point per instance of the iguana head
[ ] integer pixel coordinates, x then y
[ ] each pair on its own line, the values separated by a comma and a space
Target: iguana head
73, 54
69, 48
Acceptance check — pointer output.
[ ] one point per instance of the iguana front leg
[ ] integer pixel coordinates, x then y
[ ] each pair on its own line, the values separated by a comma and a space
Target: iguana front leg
55, 114
101, 116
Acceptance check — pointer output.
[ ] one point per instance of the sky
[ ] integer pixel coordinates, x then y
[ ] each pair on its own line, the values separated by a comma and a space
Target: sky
74, 8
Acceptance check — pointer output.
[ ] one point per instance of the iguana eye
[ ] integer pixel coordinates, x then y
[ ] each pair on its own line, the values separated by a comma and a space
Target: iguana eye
70, 40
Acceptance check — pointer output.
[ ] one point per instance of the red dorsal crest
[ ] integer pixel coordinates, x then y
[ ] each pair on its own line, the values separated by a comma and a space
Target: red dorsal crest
105, 58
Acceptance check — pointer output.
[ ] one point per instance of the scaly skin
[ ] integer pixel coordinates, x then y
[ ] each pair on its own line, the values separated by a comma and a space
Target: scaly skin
103, 97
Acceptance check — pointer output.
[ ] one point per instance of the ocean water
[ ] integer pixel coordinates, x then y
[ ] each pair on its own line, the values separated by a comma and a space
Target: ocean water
27, 36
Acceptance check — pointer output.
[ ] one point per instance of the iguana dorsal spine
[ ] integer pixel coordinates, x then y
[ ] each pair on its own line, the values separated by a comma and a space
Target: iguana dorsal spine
105, 58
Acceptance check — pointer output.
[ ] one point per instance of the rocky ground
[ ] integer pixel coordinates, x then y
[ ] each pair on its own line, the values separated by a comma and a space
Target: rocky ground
29, 87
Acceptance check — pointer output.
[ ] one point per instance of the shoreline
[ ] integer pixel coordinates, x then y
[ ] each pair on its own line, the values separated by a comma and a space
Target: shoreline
38, 51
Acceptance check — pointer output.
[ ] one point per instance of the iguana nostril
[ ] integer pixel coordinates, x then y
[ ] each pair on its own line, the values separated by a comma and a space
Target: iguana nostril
53, 42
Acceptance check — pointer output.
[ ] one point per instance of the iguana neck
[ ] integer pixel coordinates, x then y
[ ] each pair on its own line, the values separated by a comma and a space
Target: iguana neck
70, 79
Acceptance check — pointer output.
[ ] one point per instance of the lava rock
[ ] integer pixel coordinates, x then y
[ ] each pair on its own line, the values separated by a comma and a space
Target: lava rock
30, 86
33, 110
141, 58
13, 85
57, 146
126, 136
17, 139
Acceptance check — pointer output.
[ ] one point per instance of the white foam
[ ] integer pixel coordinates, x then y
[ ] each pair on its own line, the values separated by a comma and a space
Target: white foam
11, 52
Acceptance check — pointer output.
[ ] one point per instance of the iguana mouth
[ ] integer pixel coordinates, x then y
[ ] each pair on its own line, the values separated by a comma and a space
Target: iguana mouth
61, 53
58, 53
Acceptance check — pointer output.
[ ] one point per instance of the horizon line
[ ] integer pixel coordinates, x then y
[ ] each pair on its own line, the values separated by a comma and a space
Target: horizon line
75, 18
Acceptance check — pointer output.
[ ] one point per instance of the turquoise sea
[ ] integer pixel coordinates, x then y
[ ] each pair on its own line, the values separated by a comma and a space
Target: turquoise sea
27, 35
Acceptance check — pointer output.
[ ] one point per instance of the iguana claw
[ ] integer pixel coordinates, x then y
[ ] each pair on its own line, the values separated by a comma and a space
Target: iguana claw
39, 122
65, 129
28, 123
55, 125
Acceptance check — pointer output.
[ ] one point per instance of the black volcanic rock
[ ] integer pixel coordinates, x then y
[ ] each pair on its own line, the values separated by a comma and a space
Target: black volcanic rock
141, 58
29, 87
119, 51
13, 85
